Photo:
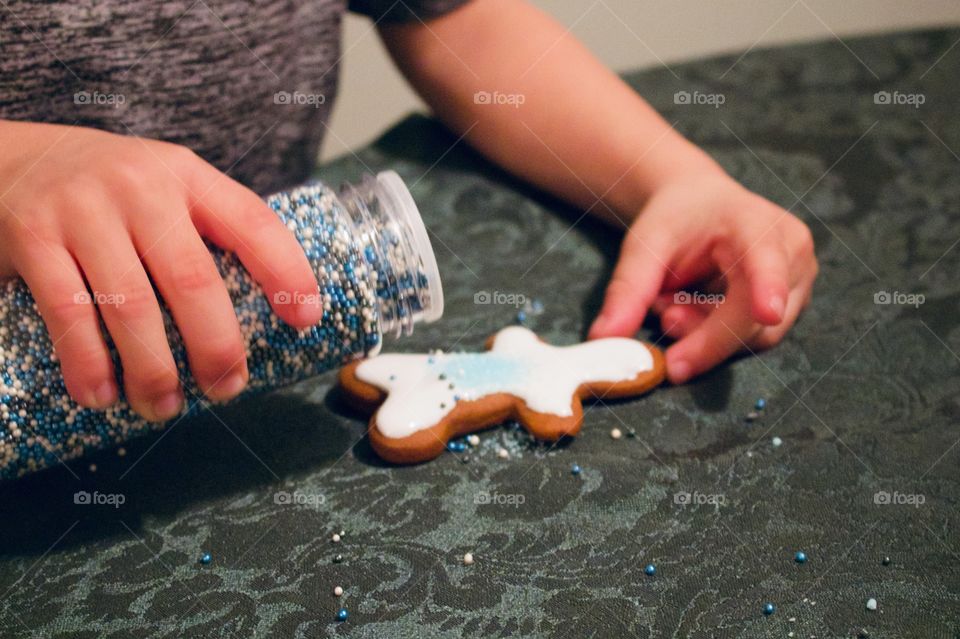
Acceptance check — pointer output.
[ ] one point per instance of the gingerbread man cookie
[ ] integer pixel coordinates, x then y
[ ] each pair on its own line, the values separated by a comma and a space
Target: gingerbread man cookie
426, 400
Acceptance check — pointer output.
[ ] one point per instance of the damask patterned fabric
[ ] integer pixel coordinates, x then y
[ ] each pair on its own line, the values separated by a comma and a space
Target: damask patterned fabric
863, 395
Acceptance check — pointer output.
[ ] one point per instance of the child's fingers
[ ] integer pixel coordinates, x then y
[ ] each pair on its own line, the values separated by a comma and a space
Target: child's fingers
184, 272
130, 309
723, 333
678, 320
662, 303
797, 300
72, 323
233, 217
694, 265
767, 269
635, 284
729, 329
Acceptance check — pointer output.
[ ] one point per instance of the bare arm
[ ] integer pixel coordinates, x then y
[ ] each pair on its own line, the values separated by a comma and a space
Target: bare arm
580, 132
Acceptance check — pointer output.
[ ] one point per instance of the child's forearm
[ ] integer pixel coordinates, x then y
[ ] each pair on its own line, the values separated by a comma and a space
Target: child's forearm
580, 132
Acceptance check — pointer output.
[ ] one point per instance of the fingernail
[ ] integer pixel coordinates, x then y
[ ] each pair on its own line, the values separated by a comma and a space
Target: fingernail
231, 386
679, 372
309, 314
105, 394
778, 305
168, 406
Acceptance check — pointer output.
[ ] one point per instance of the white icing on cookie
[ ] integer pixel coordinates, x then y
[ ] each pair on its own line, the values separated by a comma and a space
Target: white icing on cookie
422, 389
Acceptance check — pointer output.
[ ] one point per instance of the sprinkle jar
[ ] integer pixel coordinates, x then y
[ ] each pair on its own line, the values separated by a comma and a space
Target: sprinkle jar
377, 276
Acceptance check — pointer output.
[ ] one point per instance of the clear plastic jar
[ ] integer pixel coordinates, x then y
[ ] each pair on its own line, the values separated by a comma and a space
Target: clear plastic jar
385, 217
377, 274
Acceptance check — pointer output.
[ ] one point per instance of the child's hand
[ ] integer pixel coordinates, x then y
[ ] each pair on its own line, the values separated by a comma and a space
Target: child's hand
707, 229
81, 207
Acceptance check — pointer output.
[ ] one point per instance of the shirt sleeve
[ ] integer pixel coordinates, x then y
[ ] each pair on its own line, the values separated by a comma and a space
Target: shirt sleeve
404, 10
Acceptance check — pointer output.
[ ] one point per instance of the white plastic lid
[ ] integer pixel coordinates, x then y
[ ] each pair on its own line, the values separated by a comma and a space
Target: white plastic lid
395, 192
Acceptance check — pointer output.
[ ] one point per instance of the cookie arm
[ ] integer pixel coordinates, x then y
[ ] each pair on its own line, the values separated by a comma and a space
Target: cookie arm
359, 394
643, 382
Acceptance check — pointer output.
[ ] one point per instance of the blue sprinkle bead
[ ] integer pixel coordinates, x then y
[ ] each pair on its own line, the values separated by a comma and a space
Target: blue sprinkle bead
769, 609
342, 614
456, 447
761, 404
205, 558
370, 267
800, 557
575, 469
521, 317
650, 569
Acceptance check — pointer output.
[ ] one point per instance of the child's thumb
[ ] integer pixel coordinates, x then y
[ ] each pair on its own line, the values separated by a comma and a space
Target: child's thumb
634, 286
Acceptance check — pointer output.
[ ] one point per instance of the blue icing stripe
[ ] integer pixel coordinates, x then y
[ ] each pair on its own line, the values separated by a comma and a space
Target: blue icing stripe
481, 372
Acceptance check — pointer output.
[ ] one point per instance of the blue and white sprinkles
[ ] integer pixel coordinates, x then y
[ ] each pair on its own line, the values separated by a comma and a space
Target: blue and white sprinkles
371, 281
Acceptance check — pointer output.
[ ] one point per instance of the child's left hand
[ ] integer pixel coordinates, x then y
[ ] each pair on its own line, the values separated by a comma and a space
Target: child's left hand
705, 229
589, 138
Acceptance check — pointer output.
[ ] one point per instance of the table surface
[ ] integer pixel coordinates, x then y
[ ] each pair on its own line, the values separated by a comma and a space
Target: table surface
863, 395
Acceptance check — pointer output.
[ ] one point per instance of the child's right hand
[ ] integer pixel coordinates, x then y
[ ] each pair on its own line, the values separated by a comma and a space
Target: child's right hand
81, 207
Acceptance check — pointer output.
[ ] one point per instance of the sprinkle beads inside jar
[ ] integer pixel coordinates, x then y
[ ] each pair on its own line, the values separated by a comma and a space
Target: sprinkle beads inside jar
376, 274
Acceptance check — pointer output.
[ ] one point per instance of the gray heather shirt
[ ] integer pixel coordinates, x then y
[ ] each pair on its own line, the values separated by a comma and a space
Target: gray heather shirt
247, 84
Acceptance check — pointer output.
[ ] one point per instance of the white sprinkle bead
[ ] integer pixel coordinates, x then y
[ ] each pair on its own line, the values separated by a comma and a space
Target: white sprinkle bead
503, 453
468, 559
335, 539
871, 604
777, 442
337, 591
616, 433
473, 440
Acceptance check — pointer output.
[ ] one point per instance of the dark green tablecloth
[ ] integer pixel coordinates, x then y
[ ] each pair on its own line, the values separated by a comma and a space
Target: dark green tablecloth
864, 396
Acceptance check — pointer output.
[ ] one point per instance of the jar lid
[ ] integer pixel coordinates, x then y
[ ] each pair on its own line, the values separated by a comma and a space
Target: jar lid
395, 192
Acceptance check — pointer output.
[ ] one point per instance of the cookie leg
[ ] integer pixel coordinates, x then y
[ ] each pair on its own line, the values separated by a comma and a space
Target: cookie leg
549, 427
428, 443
